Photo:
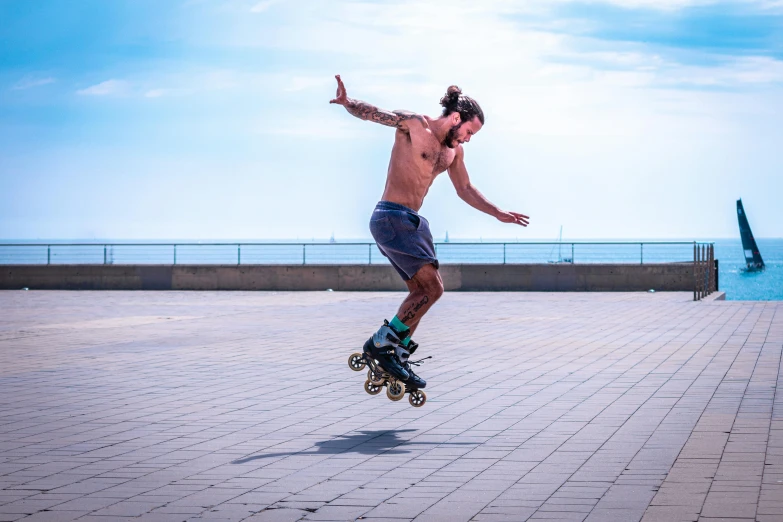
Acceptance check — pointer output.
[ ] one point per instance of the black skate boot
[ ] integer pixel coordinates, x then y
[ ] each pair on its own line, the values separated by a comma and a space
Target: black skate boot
403, 353
382, 347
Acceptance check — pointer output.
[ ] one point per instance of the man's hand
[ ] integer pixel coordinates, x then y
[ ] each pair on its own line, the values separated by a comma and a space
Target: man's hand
513, 217
342, 98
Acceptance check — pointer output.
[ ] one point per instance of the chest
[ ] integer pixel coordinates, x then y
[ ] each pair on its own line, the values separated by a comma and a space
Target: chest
436, 156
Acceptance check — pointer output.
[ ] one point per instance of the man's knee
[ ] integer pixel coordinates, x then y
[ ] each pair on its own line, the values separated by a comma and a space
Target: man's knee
430, 282
436, 291
435, 288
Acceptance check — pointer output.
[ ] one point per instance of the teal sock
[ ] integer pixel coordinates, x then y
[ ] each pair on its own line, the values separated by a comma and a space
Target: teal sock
399, 326
403, 330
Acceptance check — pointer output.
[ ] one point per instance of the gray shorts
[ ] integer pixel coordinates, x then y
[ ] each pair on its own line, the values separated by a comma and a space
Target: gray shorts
403, 236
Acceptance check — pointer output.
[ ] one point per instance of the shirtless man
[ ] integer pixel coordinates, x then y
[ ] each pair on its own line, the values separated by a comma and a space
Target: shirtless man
423, 148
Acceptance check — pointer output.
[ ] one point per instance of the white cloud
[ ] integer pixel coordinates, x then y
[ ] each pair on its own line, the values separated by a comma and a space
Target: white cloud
29, 83
107, 88
318, 128
735, 74
155, 93
296, 83
663, 5
262, 6
530, 82
671, 5
200, 82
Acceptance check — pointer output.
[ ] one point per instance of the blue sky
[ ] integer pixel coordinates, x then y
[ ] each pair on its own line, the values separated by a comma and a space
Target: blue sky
210, 118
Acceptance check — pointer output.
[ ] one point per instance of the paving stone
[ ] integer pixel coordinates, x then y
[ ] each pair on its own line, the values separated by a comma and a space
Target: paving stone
169, 406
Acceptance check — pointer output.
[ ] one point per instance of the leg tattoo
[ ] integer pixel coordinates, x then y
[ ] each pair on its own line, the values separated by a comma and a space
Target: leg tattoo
410, 313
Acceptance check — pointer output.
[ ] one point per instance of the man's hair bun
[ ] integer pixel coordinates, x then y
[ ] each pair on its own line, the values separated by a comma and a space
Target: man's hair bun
467, 107
452, 96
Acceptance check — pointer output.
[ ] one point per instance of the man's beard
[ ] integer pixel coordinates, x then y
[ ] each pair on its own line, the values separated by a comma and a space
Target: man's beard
451, 136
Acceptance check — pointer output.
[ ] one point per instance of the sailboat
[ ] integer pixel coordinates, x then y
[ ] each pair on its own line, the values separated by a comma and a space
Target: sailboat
560, 258
753, 261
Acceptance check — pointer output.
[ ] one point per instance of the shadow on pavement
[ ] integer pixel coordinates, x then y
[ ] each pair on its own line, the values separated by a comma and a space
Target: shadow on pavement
362, 442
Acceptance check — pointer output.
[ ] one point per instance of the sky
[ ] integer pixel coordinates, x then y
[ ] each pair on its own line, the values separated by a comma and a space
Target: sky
209, 119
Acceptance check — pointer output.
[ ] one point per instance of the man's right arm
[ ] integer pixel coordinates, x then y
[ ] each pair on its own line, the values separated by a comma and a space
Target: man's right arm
369, 112
471, 195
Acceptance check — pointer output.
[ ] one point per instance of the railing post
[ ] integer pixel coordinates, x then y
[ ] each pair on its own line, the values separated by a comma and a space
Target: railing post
706, 271
239, 255
48, 254
104, 254
642, 254
175, 254
504, 253
703, 270
701, 267
304, 253
698, 273
369, 253
695, 281
572, 253
699, 277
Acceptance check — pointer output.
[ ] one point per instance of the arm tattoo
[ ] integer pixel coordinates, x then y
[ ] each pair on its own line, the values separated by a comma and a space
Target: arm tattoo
365, 111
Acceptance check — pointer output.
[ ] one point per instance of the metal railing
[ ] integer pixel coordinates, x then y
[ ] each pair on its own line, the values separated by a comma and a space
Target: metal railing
356, 253
705, 270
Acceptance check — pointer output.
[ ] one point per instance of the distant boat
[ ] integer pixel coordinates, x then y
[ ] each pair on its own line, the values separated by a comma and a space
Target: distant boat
447, 237
331, 239
753, 261
560, 258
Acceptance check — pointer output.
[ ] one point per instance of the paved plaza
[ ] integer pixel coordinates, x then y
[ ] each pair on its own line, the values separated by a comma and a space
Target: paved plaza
209, 406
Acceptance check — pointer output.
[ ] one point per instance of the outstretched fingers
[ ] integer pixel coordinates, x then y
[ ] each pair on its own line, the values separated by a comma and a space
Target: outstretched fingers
340, 91
521, 219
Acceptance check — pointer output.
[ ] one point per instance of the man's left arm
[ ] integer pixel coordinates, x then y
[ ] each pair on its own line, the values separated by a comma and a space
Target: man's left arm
458, 174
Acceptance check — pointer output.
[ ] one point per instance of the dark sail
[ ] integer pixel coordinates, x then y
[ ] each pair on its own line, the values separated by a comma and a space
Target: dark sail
752, 256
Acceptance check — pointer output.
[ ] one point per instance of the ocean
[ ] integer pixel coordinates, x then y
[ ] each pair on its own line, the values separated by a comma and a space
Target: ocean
738, 284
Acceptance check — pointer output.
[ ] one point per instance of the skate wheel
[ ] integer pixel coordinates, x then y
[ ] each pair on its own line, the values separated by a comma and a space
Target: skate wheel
376, 378
372, 388
395, 390
417, 398
356, 362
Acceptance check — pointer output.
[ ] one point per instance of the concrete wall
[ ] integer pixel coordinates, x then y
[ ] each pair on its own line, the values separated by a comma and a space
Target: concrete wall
538, 277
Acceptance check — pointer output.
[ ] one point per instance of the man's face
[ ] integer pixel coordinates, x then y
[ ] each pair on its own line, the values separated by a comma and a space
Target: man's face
462, 132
